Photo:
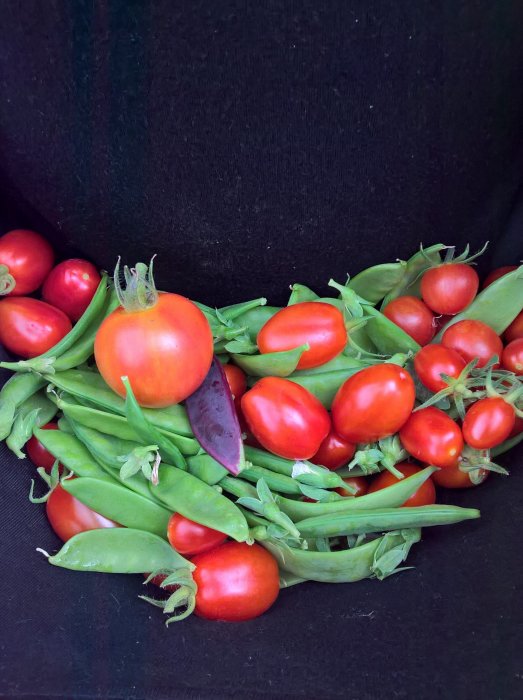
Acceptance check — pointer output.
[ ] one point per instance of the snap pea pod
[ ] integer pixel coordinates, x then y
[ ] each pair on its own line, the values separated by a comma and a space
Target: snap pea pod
72, 454
275, 481
65, 426
301, 293
36, 411
206, 468
235, 311
323, 386
238, 487
270, 364
119, 504
15, 391
386, 335
358, 471
254, 319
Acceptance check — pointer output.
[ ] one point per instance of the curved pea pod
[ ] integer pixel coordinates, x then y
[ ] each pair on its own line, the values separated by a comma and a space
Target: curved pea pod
301, 293
35, 411
206, 468
270, 364
276, 482
410, 283
71, 453
386, 335
235, 311
15, 391
378, 558
325, 384
254, 319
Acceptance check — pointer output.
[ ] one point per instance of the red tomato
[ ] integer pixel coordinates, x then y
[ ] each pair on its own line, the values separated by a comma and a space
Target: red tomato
37, 453
373, 403
413, 316
512, 357
449, 288
360, 483
432, 437
188, 537
515, 330
434, 360
473, 339
334, 452
237, 382
454, 478
320, 325
424, 496
236, 581
27, 258
497, 273
70, 286
488, 422
518, 427
285, 418
68, 516
165, 350
441, 321
29, 327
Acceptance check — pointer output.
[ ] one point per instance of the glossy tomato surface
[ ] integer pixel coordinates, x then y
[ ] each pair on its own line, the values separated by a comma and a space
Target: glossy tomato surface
70, 286
432, 437
359, 483
334, 452
515, 330
449, 288
455, 478
189, 538
473, 339
29, 327
512, 357
237, 381
413, 316
28, 257
68, 516
497, 273
37, 453
488, 422
434, 360
424, 496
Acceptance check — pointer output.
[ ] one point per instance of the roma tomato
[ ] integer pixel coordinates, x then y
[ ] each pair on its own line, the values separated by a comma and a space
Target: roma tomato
237, 382
512, 357
320, 325
424, 496
360, 483
285, 418
236, 582
188, 537
373, 403
434, 360
68, 516
412, 316
473, 339
37, 453
334, 452
26, 259
454, 478
449, 288
497, 273
29, 327
70, 286
488, 422
515, 330
432, 437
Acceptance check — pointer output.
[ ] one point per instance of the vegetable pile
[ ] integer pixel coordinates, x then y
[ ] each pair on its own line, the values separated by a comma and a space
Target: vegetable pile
227, 453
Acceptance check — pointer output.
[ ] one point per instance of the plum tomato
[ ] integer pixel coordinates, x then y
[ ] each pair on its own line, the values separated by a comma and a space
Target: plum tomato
515, 330
473, 339
334, 452
29, 327
70, 286
359, 483
68, 516
434, 360
189, 538
455, 478
488, 422
26, 259
512, 357
432, 437
37, 453
412, 316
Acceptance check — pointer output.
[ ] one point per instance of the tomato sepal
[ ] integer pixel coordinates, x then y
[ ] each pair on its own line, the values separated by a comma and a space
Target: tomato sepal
7, 281
183, 597
51, 479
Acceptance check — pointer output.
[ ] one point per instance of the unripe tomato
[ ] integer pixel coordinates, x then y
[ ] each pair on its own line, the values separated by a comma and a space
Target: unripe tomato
488, 422
70, 286
449, 288
434, 360
189, 538
412, 316
512, 357
29, 327
432, 437
424, 496
26, 259
473, 339
334, 452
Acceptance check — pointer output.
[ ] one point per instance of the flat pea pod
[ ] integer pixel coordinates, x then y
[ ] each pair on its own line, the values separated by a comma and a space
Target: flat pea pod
65, 426
301, 293
119, 550
255, 319
183, 493
386, 335
71, 453
276, 482
270, 364
324, 386
411, 281
15, 391
36, 411
238, 487
235, 311
206, 468
119, 504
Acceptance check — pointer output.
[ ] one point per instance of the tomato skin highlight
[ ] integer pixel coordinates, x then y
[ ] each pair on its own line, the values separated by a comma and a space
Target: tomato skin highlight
334, 452
70, 286
454, 478
434, 360
285, 418
497, 273
360, 483
473, 339
165, 351
37, 453
29, 327
449, 288
320, 325
373, 403
512, 357
236, 582
433, 437
424, 496
68, 516
29, 258
488, 422
413, 316
189, 538
515, 330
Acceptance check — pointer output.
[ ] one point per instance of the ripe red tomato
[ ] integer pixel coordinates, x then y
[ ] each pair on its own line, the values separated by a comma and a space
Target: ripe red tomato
454, 478
29, 327
70, 286
28, 258
188, 537
449, 288
432, 437
413, 316
515, 330
496, 274
424, 496
285, 418
334, 452
237, 382
441, 321
373, 403
360, 483
512, 357
68, 516
518, 427
473, 339
320, 325
37, 453
434, 360
488, 422
236, 581
165, 350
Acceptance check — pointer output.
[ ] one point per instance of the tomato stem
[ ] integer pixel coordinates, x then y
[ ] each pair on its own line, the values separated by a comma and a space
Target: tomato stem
139, 292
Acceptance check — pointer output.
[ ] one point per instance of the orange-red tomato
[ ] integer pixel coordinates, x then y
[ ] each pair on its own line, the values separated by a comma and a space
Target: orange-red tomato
434, 360
488, 422
360, 483
28, 259
473, 339
497, 273
424, 496
29, 327
412, 316
454, 478
189, 538
449, 288
432, 437
334, 452
68, 516
512, 357
515, 330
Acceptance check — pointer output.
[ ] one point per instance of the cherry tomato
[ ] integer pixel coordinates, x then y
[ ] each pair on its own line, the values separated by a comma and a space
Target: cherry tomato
165, 350
29, 327
70, 286
515, 330
488, 422
434, 360
37, 453
334, 452
360, 483
424, 496
512, 357
68, 516
497, 273
237, 382
473, 339
373, 403
285, 418
449, 288
432, 437
518, 427
188, 537
454, 478
236, 581
27, 259
413, 316
320, 325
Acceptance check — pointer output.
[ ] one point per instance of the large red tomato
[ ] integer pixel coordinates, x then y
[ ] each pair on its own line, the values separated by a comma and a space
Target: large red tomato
334, 452
432, 437
434, 360
189, 538
68, 516
424, 496
488, 422
29, 327
512, 357
515, 330
25, 261
473, 339
449, 288
413, 316
70, 286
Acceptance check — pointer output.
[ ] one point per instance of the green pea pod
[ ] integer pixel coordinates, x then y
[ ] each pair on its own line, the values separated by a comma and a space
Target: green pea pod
386, 335
276, 482
339, 363
36, 411
65, 426
119, 504
183, 493
71, 453
416, 266
255, 319
238, 487
231, 313
15, 391
301, 293
323, 386
206, 468
270, 364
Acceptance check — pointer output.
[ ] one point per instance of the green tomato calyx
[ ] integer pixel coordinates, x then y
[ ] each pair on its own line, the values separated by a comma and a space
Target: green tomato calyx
139, 292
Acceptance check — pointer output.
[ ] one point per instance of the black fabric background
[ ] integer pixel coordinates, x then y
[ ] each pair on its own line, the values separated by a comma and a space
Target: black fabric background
253, 145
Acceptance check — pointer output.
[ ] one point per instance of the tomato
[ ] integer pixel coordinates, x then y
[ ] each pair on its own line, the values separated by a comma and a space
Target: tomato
488, 422
441, 321
515, 330
188, 537
432, 437
26, 259
68, 516
37, 453
434, 360
413, 316
29, 327
285, 418
424, 496
449, 288
518, 427
497, 273
165, 350
373, 403
236, 581
454, 478
360, 483
237, 383
473, 339
512, 357
70, 286
334, 452
320, 325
